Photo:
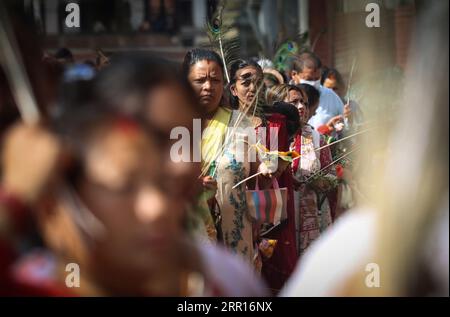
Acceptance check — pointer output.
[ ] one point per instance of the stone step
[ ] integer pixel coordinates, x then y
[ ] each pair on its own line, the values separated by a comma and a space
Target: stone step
84, 46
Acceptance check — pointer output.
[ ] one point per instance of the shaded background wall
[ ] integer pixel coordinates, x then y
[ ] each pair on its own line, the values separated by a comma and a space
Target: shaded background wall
336, 28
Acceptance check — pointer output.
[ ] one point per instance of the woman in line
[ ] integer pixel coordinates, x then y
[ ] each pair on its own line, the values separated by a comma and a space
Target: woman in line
311, 198
332, 79
308, 219
224, 149
247, 85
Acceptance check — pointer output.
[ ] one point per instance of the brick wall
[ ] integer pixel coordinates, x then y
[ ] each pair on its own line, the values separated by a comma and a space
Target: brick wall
84, 46
320, 31
347, 38
404, 28
372, 48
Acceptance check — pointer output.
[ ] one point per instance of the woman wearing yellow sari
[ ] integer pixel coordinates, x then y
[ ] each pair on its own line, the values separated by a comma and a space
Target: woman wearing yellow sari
224, 150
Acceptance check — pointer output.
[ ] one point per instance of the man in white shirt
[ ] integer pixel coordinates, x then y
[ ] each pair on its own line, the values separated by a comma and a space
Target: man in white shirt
305, 69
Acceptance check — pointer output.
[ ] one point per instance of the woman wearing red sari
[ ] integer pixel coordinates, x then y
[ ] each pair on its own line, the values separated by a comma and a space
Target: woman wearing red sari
279, 267
246, 83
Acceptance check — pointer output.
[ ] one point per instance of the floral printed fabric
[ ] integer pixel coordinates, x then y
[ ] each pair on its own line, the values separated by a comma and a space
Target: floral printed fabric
231, 169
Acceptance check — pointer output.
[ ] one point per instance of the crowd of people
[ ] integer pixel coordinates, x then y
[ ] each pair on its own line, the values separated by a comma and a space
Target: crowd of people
94, 182
112, 124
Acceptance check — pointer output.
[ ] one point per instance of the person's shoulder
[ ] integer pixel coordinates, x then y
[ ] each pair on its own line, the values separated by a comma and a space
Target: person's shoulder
240, 119
232, 274
227, 109
314, 132
315, 135
328, 93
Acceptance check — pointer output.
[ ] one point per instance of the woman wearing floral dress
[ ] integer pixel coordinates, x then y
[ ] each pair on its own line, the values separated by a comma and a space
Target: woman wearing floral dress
224, 150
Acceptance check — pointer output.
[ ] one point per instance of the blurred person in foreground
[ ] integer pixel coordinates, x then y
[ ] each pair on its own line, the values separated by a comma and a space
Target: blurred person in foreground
106, 195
